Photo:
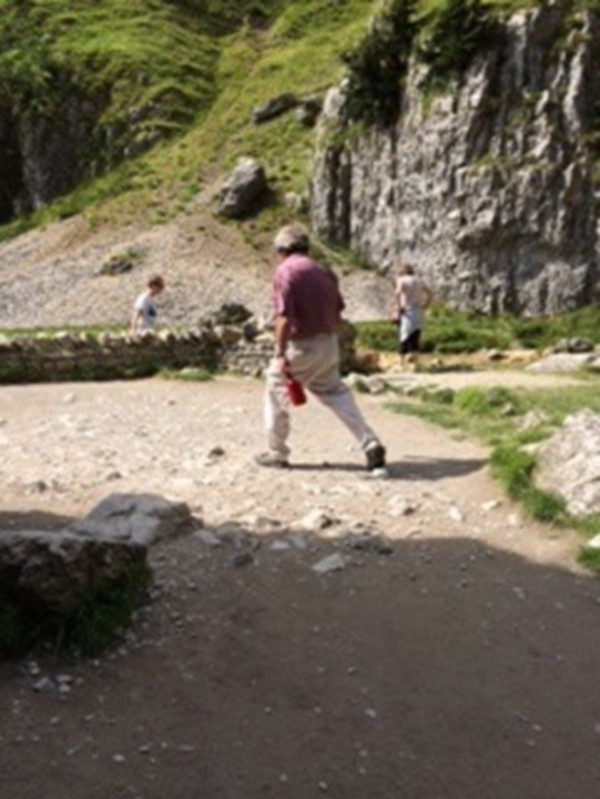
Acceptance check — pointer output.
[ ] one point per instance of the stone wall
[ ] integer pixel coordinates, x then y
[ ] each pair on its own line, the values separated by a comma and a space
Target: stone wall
81, 356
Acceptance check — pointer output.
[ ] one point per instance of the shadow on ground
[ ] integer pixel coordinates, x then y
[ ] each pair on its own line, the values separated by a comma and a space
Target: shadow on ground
409, 469
423, 669
33, 520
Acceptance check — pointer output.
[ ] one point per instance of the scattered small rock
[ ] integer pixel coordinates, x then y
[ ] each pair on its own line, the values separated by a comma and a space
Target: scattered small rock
331, 563
242, 559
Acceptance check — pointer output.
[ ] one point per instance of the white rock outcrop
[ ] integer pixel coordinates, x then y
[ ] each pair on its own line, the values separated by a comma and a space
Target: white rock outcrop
569, 463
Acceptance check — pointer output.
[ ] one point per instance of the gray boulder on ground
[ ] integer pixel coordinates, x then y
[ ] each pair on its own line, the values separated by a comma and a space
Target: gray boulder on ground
561, 362
569, 463
139, 518
574, 345
273, 108
242, 188
54, 574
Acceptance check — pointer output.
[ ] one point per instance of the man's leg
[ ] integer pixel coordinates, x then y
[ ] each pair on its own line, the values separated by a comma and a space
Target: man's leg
341, 401
276, 418
328, 387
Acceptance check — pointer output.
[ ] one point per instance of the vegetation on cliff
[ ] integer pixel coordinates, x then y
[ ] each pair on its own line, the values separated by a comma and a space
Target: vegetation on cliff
173, 83
179, 78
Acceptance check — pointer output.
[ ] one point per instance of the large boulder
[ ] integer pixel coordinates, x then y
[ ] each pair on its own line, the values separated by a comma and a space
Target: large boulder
47, 575
142, 519
80, 584
569, 463
273, 108
562, 362
242, 188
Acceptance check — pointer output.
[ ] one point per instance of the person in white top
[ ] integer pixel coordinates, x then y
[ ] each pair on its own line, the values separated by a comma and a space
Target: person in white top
412, 297
144, 309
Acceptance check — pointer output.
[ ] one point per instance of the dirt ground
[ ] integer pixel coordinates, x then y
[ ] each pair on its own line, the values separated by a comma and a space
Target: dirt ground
454, 656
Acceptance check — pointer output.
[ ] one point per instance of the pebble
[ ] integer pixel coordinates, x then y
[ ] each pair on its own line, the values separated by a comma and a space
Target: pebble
44, 684
331, 563
455, 514
316, 519
492, 505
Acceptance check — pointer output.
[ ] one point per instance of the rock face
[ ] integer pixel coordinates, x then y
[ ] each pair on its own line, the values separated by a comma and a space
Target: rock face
569, 463
487, 188
47, 155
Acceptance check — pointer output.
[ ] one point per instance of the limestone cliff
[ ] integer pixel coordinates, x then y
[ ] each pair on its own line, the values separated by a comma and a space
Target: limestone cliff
488, 187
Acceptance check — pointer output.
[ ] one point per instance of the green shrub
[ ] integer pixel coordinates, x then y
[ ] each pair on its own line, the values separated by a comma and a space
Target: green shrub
376, 67
454, 34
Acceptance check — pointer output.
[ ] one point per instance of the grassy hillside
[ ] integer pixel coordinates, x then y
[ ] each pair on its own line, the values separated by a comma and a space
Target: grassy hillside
185, 74
191, 70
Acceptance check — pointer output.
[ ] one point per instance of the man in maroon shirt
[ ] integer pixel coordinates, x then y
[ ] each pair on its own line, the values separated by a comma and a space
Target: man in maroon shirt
308, 304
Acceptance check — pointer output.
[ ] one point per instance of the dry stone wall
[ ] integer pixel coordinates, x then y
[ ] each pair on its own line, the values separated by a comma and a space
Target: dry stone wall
81, 356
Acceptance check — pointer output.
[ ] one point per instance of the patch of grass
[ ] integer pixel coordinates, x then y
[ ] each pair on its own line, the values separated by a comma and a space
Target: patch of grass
482, 413
95, 624
187, 375
378, 336
101, 618
478, 402
454, 332
590, 558
514, 470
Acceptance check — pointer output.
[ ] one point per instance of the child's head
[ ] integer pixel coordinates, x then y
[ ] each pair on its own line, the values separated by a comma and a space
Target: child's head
405, 269
156, 284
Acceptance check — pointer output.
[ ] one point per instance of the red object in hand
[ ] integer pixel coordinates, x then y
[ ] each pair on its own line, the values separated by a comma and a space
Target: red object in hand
295, 390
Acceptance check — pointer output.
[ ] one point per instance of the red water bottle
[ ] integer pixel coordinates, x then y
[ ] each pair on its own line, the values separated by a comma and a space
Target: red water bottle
295, 391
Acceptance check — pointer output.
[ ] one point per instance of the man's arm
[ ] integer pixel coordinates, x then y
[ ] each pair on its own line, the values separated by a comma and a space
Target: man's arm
282, 331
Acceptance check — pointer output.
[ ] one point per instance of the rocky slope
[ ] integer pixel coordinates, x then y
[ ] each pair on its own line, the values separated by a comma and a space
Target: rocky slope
53, 277
488, 186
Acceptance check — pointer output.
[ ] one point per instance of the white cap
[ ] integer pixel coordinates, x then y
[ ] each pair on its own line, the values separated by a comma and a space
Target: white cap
292, 238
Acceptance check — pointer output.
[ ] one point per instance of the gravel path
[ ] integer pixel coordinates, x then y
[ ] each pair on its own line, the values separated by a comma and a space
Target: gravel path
453, 656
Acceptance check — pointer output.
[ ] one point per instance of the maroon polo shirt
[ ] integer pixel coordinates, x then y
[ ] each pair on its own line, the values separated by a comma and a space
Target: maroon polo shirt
307, 295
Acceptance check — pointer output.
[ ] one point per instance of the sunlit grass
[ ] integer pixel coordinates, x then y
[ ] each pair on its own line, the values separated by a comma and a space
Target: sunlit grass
492, 415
